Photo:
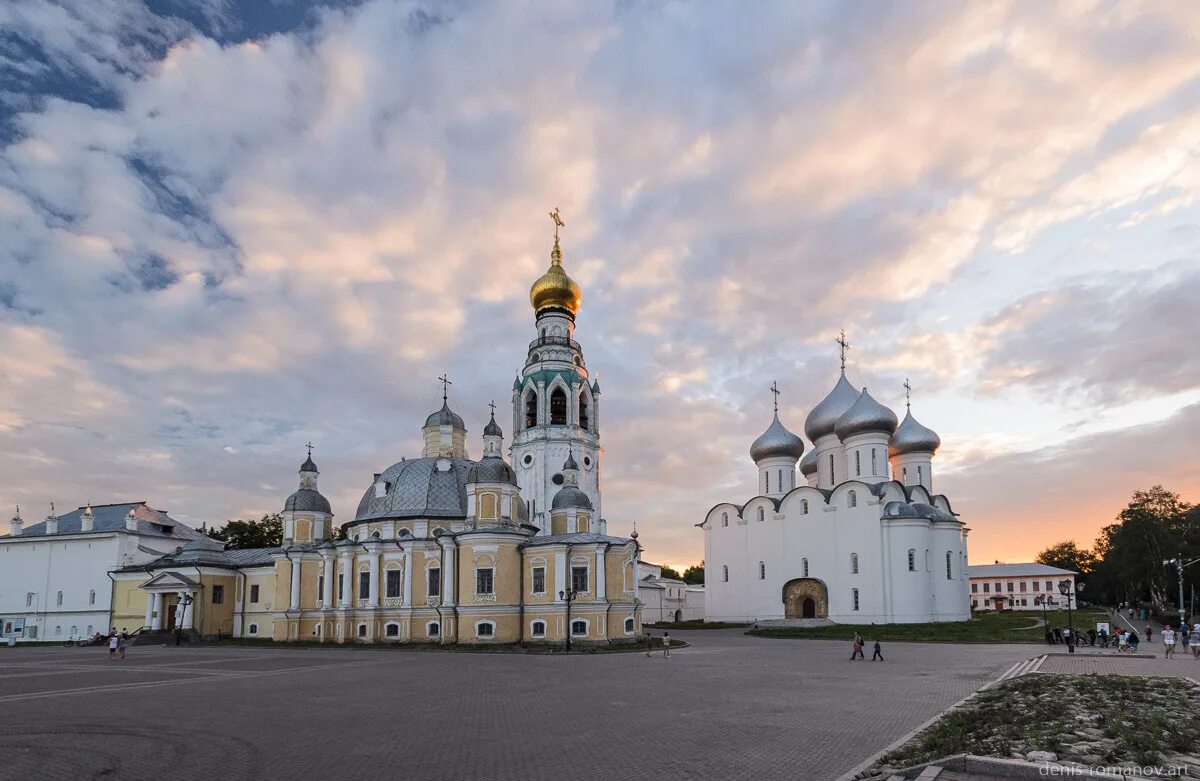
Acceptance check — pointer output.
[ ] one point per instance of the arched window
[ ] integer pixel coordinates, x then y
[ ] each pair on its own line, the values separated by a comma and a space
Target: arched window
852, 499
537, 629
832, 477
904, 473
629, 625
854, 597
584, 421
804, 568
253, 630
920, 475
857, 463
725, 573
804, 507
391, 630
874, 461
579, 628
927, 559
92, 598
433, 629
912, 559
762, 570
724, 519
853, 563
779, 482
485, 629
766, 482
762, 514
949, 568
362, 630
531, 409
558, 407
60, 599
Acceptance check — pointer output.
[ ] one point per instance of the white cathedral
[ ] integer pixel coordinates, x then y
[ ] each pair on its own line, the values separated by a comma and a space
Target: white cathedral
865, 541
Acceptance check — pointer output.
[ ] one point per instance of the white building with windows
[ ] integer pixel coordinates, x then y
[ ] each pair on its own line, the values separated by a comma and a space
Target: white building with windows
1020, 587
54, 582
863, 539
668, 600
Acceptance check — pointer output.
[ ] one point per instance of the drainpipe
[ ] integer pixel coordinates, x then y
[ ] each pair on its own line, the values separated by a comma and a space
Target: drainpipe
607, 601
112, 601
243, 610
458, 576
197, 618
441, 587
287, 554
521, 595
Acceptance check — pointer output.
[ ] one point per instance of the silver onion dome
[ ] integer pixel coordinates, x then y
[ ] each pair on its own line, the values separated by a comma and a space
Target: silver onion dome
492, 429
865, 414
445, 417
824, 416
808, 464
912, 437
776, 442
570, 496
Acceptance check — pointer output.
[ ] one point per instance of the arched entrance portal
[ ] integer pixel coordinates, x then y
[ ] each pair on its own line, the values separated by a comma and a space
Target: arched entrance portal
805, 598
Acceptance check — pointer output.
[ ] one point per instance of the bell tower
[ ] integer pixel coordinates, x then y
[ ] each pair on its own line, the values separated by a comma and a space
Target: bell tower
556, 406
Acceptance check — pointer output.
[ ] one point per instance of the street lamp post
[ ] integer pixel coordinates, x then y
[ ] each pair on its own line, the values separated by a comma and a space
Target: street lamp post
568, 596
1179, 565
1064, 588
1040, 599
187, 600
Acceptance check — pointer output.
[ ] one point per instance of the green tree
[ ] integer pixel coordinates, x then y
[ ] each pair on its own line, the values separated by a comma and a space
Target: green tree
1067, 555
670, 572
694, 574
267, 532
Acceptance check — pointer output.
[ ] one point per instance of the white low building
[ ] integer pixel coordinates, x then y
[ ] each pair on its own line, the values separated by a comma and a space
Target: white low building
54, 582
668, 600
1019, 587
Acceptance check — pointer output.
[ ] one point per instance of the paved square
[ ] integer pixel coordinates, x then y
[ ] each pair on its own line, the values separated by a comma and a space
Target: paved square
730, 706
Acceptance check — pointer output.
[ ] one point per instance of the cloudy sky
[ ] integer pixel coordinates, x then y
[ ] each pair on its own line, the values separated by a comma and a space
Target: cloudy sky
230, 227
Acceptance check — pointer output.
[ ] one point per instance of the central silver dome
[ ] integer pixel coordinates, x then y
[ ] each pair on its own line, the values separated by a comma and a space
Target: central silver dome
418, 488
445, 417
776, 442
824, 416
864, 415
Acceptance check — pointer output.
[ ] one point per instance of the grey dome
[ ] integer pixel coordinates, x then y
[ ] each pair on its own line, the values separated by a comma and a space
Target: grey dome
570, 496
776, 442
492, 429
445, 417
492, 470
824, 416
808, 464
309, 465
570, 462
912, 437
864, 415
418, 489
307, 499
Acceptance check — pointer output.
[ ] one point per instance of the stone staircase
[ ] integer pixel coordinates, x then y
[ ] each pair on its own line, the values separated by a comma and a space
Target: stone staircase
164, 637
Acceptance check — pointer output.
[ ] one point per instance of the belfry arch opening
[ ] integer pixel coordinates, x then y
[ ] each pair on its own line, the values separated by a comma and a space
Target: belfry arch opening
531, 406
558, 407
584, 410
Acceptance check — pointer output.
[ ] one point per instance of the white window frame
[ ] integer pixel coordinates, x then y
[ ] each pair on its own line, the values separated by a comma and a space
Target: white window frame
854, 599
434, 625
587, 627
490, 623
853, 563
252, 629
533, 632
539, 565
388, 626
630, 625
362, 631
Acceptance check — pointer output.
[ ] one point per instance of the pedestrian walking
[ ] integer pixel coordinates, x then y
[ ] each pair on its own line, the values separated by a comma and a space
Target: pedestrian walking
1149, 634
112, 644
857, 653
1194, 641
1168, 637
649, 644
1122, 641
666, 644
1133, 641
122, 643
878, 652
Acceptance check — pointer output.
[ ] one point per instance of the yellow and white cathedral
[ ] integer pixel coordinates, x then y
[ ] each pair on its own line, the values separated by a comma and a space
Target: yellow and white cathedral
442, 548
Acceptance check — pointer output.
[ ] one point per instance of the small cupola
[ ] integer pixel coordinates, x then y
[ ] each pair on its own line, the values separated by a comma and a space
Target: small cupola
16, 525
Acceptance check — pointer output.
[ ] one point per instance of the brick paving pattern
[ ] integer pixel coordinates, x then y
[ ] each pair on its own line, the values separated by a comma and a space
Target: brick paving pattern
729, 706
1117, 664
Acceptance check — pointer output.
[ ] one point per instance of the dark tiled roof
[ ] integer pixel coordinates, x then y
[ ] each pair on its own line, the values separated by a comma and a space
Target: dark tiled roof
111, 517
308, 499
577, 538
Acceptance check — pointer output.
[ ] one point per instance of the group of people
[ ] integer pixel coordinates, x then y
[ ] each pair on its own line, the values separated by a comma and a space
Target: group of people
859, 644
1187, 637
118, 642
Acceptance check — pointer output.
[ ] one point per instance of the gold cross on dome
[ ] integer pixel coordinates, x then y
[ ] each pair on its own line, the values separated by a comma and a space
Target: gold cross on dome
844, 345
558, 223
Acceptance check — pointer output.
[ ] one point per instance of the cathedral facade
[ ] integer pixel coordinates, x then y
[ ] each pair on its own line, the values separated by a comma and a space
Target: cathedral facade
442, 548
862, 539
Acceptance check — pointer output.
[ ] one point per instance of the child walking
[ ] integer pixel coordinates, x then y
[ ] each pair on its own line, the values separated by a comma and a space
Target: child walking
878, 652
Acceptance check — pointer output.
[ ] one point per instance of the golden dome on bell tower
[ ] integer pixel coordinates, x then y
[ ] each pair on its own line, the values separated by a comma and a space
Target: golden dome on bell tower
554, 289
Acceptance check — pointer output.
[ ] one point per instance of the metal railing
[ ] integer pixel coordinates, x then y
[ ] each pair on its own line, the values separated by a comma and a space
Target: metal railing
554, 341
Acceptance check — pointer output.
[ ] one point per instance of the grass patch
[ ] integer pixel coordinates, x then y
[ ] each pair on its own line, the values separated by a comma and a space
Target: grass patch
1143, 721
1008, 627
670, 625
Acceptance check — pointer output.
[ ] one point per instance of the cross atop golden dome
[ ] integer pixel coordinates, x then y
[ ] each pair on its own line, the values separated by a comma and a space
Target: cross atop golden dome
554, 289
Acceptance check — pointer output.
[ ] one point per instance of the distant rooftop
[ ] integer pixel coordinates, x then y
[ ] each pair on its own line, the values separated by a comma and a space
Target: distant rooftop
1014, 570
